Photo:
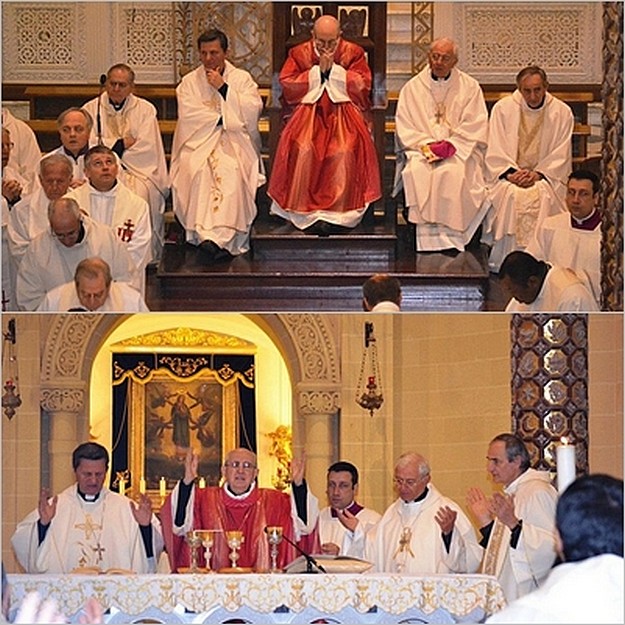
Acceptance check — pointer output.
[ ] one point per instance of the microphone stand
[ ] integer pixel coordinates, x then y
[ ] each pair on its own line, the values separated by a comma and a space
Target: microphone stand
99, 118
310, 561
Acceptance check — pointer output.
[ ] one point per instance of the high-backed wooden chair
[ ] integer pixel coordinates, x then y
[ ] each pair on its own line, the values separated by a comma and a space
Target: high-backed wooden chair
363, 23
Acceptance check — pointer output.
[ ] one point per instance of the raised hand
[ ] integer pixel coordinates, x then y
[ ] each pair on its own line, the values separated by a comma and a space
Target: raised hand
347, 519
446, 519
47, 509
480, 506
503, 509
298, 468
190, 466
142, 511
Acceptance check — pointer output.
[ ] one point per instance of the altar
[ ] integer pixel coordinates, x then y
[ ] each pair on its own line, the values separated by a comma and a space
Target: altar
267, 598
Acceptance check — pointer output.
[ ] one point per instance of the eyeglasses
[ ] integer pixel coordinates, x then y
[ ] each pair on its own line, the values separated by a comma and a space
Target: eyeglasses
398, 481
445, 58
235, 464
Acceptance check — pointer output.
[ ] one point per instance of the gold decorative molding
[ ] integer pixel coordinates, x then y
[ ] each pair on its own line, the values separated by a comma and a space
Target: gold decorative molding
186, 338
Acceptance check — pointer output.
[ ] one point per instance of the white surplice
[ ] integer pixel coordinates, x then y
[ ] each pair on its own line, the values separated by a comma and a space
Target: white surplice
562, 291
558, 243
126, 213
143, 165
48, 263
522, 568
446, 199
515, 213
101, 534
331, 530
589, 591
216, 166
408, 539
25, 153
121, 298
27, 220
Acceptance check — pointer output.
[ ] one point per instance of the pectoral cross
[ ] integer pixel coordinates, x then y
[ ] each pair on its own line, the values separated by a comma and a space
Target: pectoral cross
98, 550
125, 233
440, 112
404, 542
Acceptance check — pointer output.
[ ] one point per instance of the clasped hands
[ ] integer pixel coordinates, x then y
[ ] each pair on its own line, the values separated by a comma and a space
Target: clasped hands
486, 510
523, 178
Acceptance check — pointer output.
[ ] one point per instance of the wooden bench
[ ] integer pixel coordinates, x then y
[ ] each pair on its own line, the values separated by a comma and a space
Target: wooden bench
46, 101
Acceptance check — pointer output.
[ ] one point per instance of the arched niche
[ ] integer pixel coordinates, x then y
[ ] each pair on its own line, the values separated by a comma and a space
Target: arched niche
298, 377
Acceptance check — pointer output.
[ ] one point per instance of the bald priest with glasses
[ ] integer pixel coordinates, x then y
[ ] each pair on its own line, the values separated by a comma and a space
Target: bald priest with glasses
422, 532
239, 505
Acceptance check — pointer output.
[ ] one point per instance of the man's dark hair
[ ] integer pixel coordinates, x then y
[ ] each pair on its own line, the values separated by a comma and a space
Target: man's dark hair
532, 70
382, 288
586, 174
520, 267
515, 448
589, 517
98, 149
214, 34
89, 451
342, 465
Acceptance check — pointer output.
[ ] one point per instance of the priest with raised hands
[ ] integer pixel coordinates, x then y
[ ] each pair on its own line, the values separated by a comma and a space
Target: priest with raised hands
87, 527
239, 505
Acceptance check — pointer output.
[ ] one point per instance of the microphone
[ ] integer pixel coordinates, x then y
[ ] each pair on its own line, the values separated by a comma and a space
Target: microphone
310, 561
99, 118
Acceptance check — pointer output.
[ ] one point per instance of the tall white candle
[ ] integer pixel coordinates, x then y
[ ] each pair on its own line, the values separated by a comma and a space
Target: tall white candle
565, 456
142, 485
122, 487
202, 483
162, 487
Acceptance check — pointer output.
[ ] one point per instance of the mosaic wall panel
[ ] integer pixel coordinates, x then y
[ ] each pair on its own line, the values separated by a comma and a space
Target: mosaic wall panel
247, 25
497, 40
549, 376
612, 166
40, 39
142, 37
422, 21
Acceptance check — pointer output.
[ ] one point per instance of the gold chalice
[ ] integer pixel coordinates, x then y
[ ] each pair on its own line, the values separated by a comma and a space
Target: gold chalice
207, 538
235, 539
195, 542
274, 535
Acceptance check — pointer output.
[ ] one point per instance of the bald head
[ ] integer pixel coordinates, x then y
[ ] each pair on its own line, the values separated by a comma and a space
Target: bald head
326, 32
65, 220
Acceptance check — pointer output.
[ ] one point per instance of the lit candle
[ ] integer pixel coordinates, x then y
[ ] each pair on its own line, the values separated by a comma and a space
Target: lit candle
371, 380
565, 456
162, 487
122, 487
202, 483
142, 485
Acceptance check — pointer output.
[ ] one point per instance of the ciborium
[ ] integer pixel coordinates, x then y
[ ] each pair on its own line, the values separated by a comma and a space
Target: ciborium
274, 536
235, 539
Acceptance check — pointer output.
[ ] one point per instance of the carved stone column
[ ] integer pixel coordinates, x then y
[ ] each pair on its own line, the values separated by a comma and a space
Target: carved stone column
612, 163
64, 405
317, 413
550, 385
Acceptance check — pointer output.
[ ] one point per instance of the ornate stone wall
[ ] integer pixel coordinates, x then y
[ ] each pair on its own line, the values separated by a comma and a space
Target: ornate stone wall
498, 39
549, 363
612, 162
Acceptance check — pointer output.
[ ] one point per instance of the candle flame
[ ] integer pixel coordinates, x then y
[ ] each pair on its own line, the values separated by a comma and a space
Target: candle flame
564, 440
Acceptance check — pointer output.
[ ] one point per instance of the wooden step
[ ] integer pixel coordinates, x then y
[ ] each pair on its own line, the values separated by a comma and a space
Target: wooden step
430, 281
276, 239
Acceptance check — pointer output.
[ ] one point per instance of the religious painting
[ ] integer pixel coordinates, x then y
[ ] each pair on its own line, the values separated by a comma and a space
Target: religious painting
177, 391
171, 416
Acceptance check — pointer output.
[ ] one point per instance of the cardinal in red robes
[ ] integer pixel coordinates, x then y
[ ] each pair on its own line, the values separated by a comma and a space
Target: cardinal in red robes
325, 167
239, 505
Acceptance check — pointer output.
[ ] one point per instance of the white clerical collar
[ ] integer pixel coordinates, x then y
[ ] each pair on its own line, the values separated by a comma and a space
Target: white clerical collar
242, 496
88, 498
